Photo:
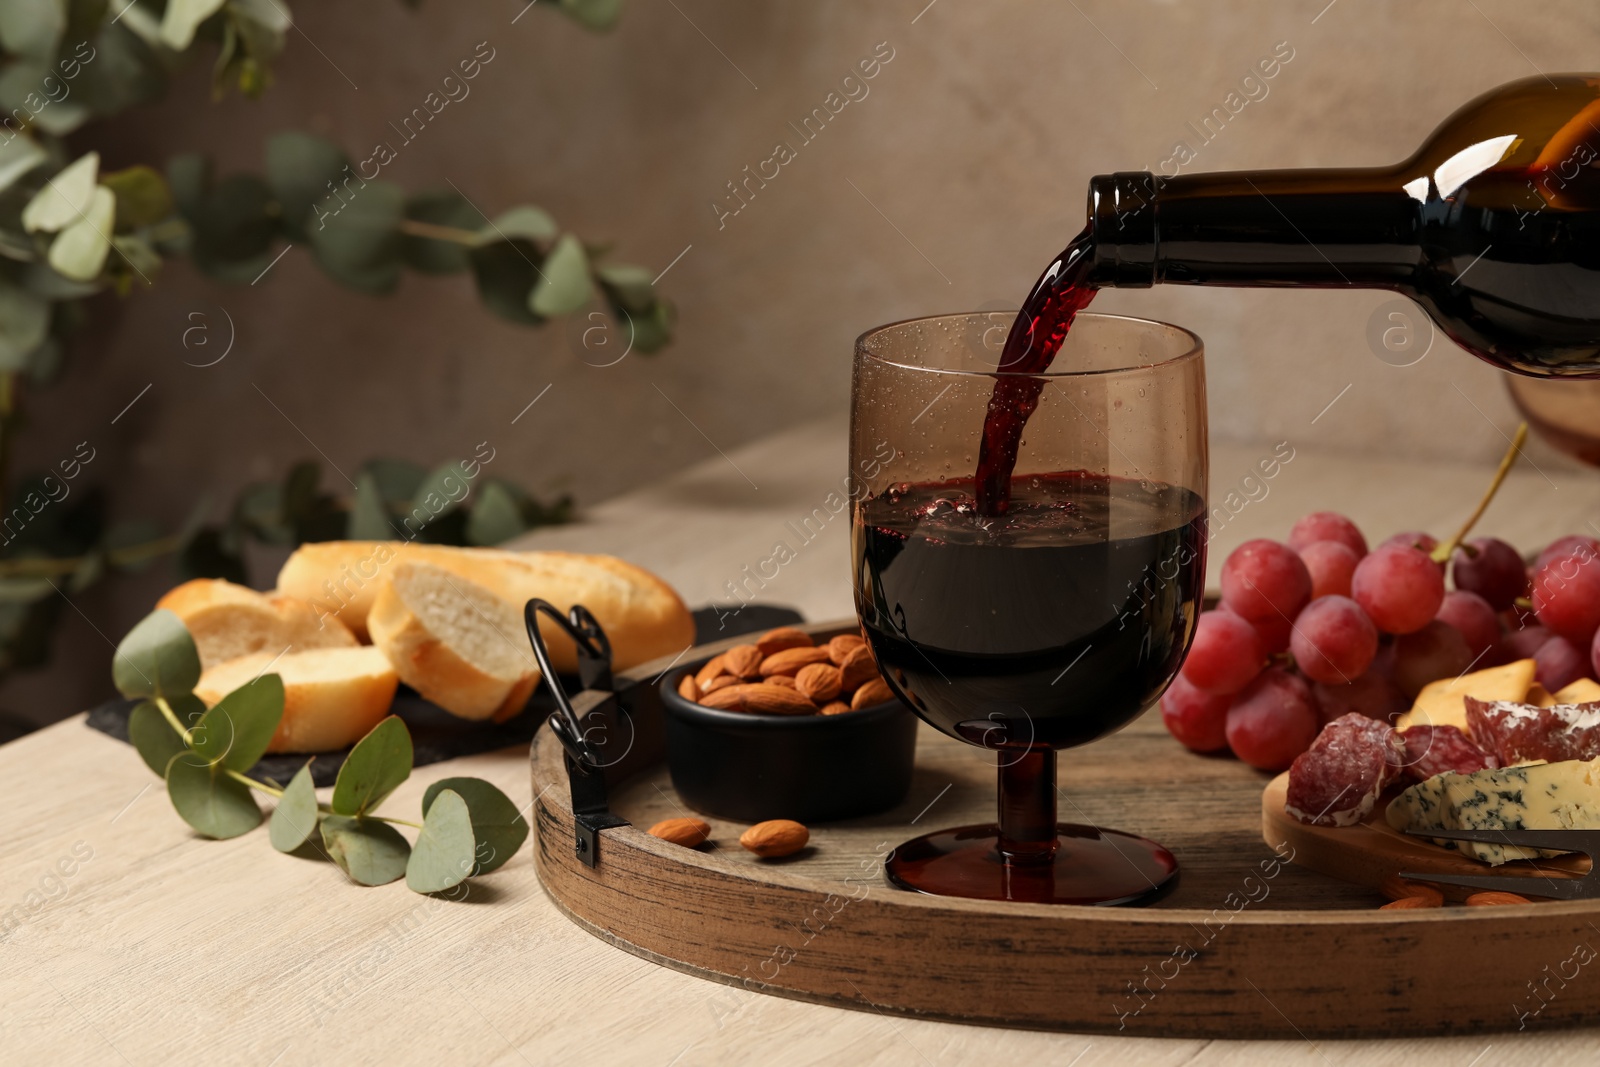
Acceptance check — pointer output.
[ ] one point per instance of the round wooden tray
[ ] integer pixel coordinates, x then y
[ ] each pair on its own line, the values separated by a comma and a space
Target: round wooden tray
1247, 945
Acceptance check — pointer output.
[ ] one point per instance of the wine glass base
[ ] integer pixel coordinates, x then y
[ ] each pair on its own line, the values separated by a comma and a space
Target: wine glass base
1091, 866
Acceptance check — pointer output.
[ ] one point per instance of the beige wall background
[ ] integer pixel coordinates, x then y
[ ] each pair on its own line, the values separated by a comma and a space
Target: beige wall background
947, 187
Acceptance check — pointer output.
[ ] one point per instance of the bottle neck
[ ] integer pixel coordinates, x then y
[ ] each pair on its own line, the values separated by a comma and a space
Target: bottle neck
1255, 228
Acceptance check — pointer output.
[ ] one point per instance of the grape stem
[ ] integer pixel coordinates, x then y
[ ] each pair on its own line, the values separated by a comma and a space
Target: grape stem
1443, 552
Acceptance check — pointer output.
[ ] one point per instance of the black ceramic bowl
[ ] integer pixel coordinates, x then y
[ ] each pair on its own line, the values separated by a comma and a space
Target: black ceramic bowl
810, 768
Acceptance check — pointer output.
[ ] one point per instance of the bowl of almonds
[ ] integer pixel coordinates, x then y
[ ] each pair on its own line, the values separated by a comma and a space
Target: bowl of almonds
791, 725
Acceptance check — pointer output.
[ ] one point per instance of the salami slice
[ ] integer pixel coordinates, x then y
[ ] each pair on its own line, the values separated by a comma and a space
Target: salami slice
1520, 733
1338, 780
1432, 750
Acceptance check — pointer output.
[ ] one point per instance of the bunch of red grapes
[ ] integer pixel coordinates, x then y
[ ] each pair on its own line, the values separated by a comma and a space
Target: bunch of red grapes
1320, 627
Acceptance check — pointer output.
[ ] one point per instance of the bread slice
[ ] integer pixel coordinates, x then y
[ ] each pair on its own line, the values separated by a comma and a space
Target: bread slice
331, 696
228, 621
641, 614
454, 642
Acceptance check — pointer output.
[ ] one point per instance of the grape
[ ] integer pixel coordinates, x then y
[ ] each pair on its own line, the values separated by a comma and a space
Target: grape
1327, 526
1196, 718
1496, 573
1273, 633
1372, 695
1436, 651
1400, 588
1225, 655
1472, 615
1563, 546
1333, 641
1522, 644
1594, 654
1424, 542
1263, 579
1331, 564
1566, 595
1558, 664
1272, 720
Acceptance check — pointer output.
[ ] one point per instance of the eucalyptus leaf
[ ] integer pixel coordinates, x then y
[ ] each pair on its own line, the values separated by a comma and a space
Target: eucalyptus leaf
594, 14
443, 854
439, 494
505, 273
138, 254
233, 224
182, 18
24, 322
527, 221
397, 479
208, 554
18, 155
64, 198
631, 286
153, 736
58, 120
376, 766
357, 238
238, 728
369, 517
143, 198
653, 330
32, 28
294, 820
495, 518
126, 70
46, 283
157, 658
89, 570
189, 178
300, 169
564, 283
79, 251
208, 800
497, 828
369, 851
24, 590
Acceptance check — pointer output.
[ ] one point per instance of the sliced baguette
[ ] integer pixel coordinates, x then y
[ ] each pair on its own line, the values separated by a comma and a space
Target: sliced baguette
454, 642
331, 696
228, 621
641, 614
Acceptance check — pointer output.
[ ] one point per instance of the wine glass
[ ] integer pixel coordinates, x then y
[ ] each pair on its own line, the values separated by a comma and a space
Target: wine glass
1053, 623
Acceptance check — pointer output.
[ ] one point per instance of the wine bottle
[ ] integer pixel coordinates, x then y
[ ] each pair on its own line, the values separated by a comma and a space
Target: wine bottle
1493, 226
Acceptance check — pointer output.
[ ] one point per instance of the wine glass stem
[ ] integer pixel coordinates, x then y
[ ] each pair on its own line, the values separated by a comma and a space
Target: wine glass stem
1028, 805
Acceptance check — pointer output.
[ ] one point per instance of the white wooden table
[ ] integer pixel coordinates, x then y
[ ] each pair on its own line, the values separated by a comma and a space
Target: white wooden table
157, 947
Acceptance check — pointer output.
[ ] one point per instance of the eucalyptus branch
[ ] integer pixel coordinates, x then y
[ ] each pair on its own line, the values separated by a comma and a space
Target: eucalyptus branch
1443, 552
172, 717
454, 234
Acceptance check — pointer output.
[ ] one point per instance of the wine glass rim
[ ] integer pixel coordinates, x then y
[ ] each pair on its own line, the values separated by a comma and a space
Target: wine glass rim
1195, 349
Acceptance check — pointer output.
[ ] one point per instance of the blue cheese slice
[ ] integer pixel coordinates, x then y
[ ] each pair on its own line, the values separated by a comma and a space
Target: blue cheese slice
1534, 796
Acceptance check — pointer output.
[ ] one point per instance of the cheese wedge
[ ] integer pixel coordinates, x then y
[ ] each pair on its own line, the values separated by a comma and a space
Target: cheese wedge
1534, 796
1443, 703
1583, 691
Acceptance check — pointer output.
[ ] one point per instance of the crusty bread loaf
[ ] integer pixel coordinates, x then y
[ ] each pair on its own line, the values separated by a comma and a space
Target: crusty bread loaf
228, 621
641, 614
331, 696
454, 642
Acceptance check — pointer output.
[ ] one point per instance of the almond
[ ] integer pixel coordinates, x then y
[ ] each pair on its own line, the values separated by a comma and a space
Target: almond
687, 688
781, 638
838, 707
779, 679
1485, 900
790, 660
743, 660
722, 681
818, 681
685, 832
841, 647
1407, 903
760, 698
876, 691
1396, 888
858, 668
713, 667
775, 837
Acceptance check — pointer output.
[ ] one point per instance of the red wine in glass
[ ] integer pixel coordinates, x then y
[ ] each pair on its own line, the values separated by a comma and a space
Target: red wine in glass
1058, 616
